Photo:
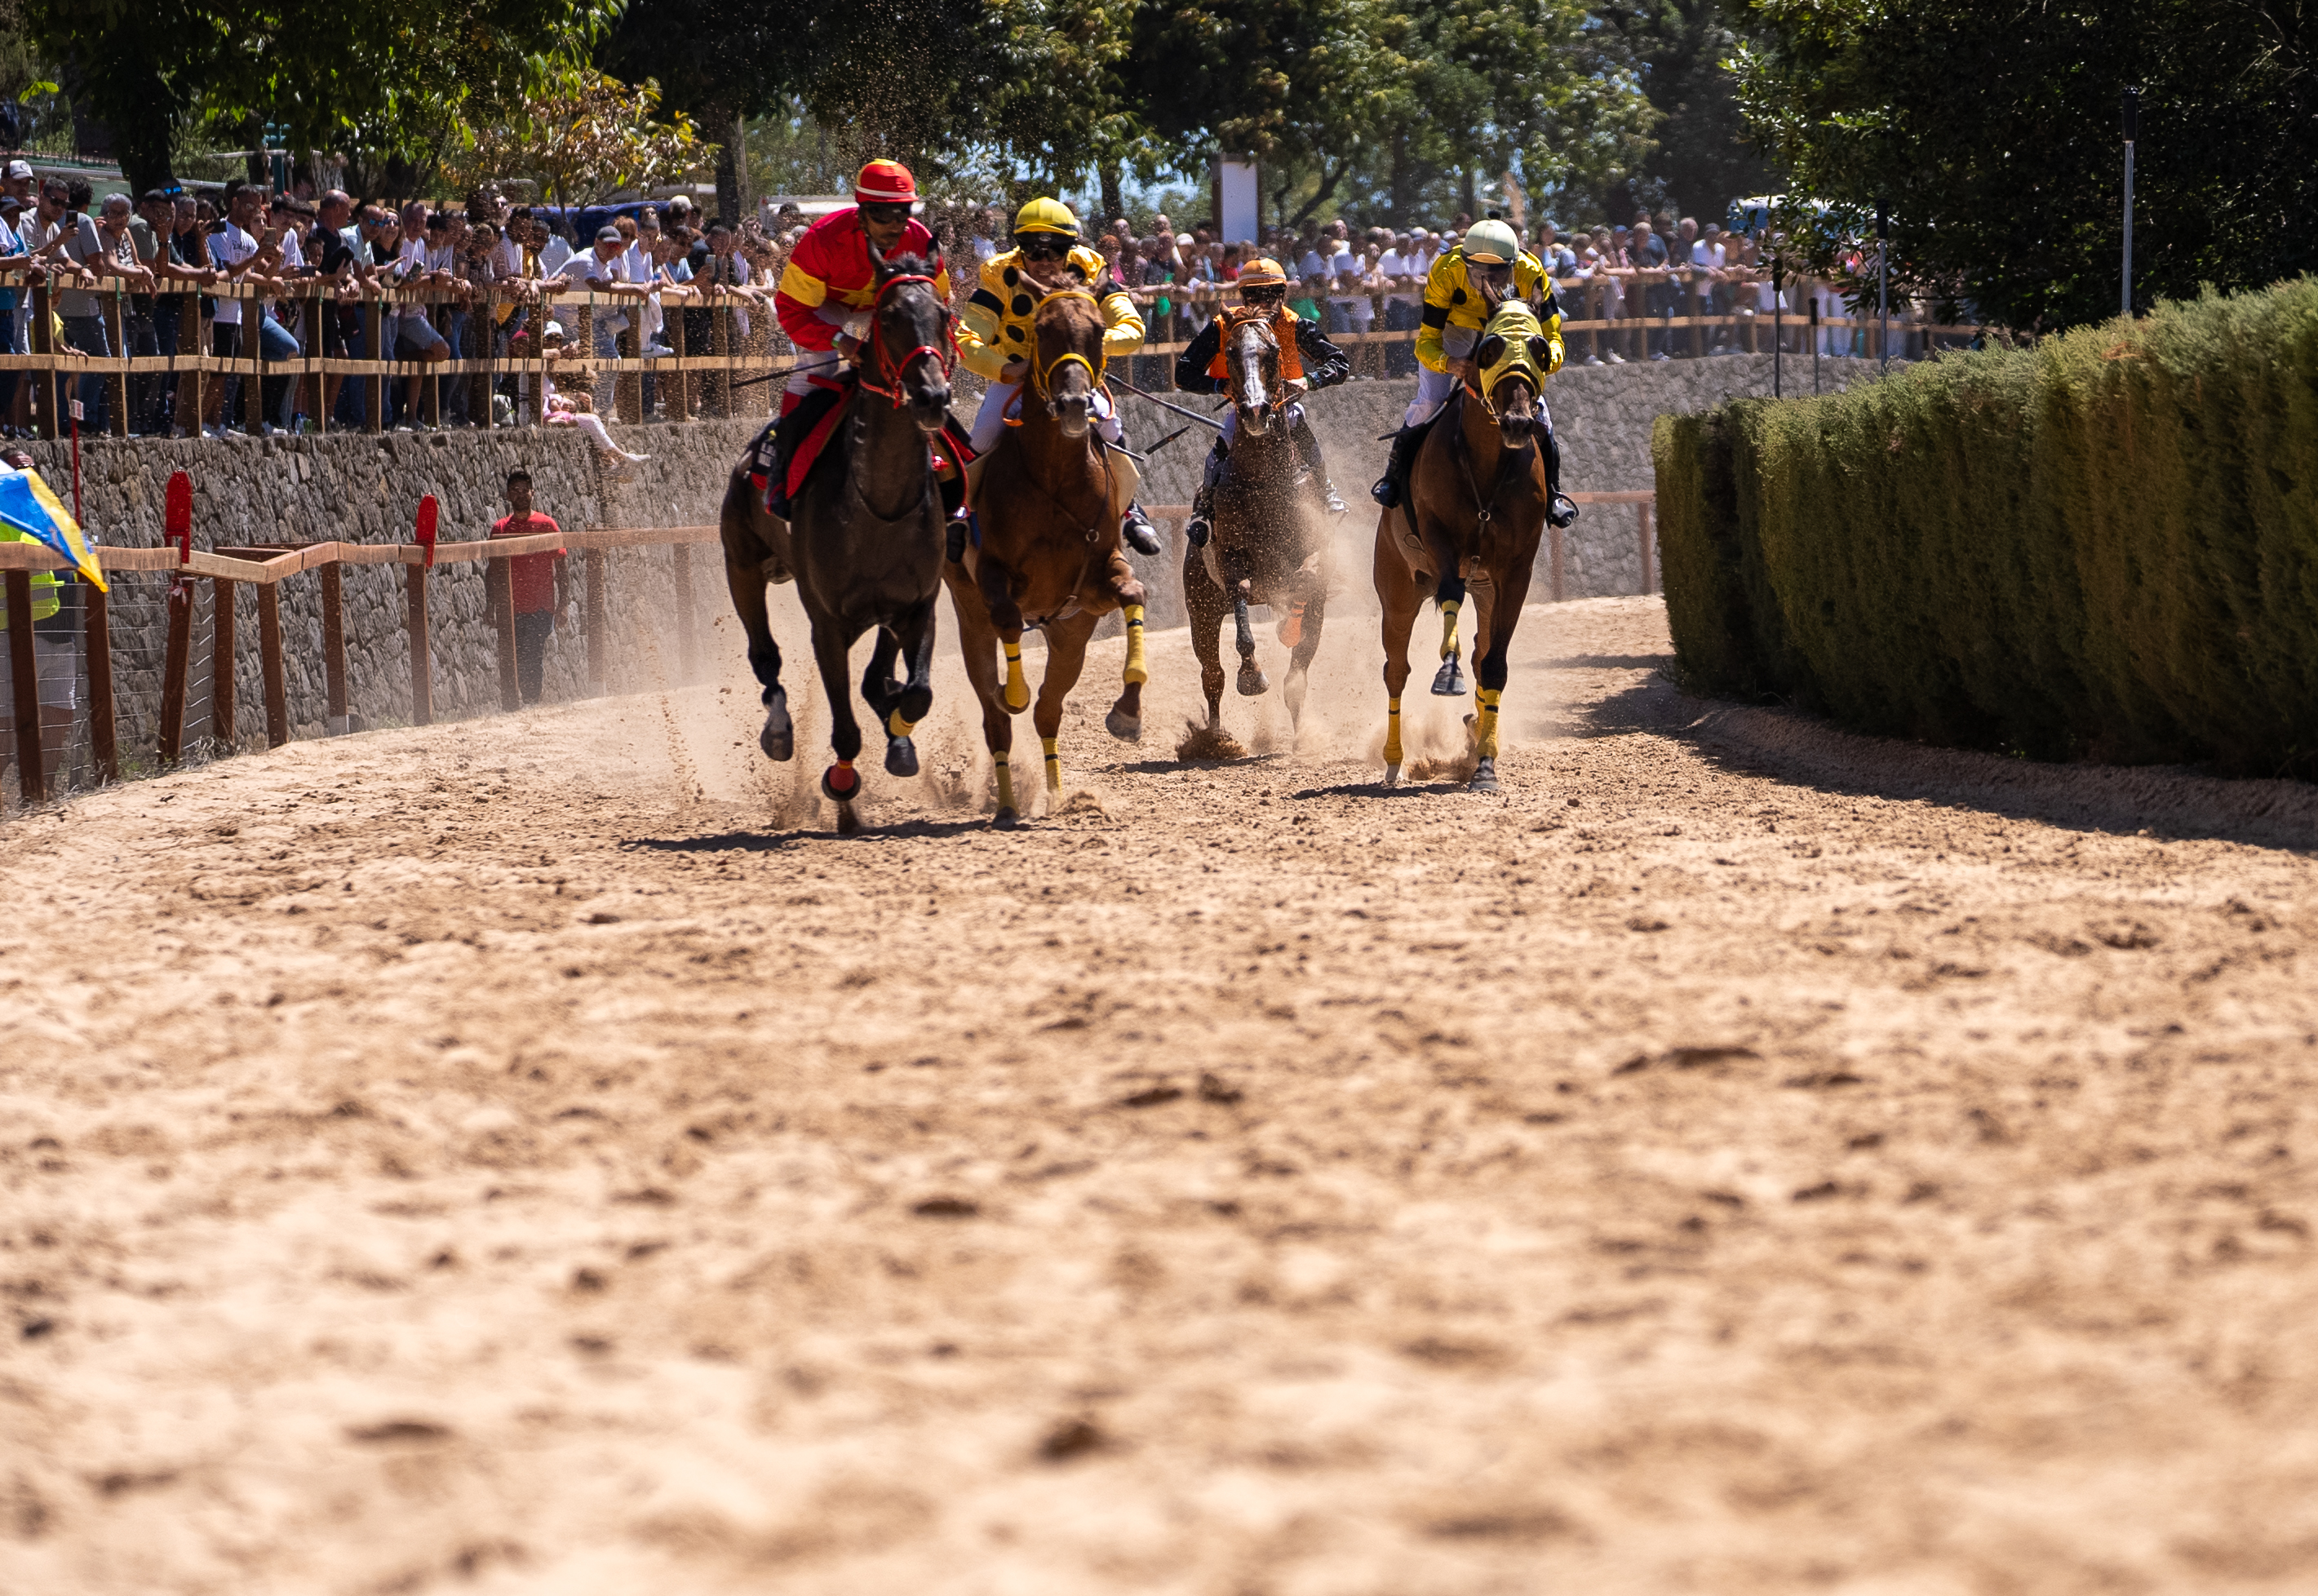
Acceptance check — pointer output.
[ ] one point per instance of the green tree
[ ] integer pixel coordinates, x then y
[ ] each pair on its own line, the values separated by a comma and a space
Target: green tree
1701, 161
1993, 134
399, 76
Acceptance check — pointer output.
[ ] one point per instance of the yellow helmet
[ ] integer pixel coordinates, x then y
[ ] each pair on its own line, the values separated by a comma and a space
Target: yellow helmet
1043, 215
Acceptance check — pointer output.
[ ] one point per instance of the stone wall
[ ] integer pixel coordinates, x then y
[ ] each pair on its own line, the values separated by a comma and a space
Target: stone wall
363, 489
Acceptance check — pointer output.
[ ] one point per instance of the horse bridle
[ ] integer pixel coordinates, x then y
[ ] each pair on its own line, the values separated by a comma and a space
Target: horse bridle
946, 353
1042, 378
1241, 316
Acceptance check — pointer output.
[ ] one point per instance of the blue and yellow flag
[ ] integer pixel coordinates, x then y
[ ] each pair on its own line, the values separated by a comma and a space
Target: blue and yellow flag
27, 505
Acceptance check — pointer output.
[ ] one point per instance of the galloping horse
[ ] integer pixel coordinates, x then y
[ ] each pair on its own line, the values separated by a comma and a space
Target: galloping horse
1475, 508
1047, 501
1270, 545
866, 545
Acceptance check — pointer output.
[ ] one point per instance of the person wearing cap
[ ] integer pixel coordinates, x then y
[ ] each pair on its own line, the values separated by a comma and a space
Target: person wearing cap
1490, 256
12, 253
1307, 360
830, 282
995, 341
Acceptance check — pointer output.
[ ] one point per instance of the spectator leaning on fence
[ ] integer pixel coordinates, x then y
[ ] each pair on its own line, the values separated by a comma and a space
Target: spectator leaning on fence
539, 587
12, 253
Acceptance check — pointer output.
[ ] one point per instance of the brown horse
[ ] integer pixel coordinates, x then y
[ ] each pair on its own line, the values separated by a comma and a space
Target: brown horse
1475, 508
1047, 501
1270, 545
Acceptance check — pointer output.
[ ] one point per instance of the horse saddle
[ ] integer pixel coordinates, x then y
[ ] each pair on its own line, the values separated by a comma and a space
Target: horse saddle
802, 438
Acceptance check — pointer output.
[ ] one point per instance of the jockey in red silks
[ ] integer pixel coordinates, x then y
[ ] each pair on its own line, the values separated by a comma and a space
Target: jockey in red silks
827, 289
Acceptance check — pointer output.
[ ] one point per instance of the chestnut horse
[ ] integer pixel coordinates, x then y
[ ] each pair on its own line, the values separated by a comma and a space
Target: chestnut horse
1270, 545
1475, 508
866, 546
1047, 501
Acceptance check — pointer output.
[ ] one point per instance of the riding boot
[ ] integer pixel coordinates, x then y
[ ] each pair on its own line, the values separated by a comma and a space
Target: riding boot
1387, 491
1308, 445
954, 537
1203, 503
1135, 529
1560, 509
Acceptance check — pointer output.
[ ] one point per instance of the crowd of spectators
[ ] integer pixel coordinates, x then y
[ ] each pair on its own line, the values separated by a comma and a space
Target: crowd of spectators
1372, 281
497, 269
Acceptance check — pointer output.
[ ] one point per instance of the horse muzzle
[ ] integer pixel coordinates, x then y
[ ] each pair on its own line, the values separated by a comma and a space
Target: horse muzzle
930, 405
1075, 412
1255, 419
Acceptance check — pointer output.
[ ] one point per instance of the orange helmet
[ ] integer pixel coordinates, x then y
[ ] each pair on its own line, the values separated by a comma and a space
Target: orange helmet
884, 182
1264, 272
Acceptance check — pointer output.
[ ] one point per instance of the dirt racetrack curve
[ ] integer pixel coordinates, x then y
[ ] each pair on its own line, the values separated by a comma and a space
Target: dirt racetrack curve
536, 1155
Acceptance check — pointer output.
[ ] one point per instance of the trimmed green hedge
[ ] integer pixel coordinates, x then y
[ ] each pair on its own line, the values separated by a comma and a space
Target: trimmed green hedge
2102, 547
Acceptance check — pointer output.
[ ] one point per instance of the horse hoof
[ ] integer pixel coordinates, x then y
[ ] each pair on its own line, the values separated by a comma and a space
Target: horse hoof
1449, 681
1392, 775
900, 757
1005, 820
1252, 683
840, 793
1126, 727
779, 738
1485, 777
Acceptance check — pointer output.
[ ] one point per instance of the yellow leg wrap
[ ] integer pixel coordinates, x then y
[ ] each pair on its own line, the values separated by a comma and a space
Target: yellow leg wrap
1005, 781
1137, 672
898, 726
1017, 691
1392, 732
1449, 628
1486, 732
1054, 764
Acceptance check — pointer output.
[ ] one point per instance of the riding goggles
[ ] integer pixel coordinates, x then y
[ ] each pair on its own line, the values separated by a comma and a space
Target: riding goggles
882, 213
1044, 247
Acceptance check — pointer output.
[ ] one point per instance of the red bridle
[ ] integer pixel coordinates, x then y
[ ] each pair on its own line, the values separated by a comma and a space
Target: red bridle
893, 371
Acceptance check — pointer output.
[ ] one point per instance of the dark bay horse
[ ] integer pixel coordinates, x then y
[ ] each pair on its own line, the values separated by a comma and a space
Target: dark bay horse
1047, 501
1475, 508
865, 544
1270, 540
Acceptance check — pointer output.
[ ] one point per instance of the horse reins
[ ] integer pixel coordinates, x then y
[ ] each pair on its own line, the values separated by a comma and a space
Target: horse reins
894, 372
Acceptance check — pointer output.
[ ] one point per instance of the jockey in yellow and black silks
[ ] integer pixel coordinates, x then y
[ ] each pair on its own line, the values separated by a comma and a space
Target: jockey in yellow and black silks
995, 338
1455, 308
1307, 360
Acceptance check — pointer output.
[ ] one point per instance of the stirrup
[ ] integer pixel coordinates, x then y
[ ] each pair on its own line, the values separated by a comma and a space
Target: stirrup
1136, 528
1387, 492
1560, 510
1336, 506
1196, 531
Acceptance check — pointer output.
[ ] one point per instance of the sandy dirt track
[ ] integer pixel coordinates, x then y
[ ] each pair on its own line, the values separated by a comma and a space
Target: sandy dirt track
535, 1155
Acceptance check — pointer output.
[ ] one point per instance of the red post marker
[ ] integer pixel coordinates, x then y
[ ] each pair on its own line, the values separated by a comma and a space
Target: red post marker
424, 536
177, 516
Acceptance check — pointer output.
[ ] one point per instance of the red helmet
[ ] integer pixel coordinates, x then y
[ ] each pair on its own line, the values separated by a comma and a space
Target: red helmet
884, 182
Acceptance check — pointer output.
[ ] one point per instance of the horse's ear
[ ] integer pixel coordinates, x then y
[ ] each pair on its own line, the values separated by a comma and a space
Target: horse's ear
934, 263
1540, 350
1489, 351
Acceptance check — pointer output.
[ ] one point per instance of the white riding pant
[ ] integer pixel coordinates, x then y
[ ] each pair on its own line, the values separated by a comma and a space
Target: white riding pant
1433, 387
1000, 398
810, 364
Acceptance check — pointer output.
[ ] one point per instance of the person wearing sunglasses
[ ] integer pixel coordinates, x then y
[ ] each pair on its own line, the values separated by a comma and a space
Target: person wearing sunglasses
1308, 360
995, 341
826, 292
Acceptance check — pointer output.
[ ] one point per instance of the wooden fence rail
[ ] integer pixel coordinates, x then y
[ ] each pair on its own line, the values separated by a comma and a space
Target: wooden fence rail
265, 569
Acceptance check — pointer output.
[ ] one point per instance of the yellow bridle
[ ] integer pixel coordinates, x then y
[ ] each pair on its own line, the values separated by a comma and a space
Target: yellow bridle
1042, 378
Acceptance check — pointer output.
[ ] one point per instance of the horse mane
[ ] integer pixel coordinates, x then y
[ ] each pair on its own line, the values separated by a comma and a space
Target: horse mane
913, 265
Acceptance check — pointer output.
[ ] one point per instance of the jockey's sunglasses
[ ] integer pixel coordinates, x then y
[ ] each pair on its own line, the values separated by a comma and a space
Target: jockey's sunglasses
884, 214
1263, 296
1043, 246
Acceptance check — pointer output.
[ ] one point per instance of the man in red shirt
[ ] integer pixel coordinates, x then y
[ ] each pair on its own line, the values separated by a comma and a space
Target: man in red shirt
540, 585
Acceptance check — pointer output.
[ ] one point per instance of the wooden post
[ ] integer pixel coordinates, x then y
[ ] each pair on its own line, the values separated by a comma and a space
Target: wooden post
628, 387
720, 333
221, 705
31, 759
684, 616
499, 581
422, 688
253, 325
176, 667
116, 386
189, 386
270, 667
434, 385
1554, 540
1644, 512
45, 384
593, 564
96, 647
334, 651
680, 407
378, 382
